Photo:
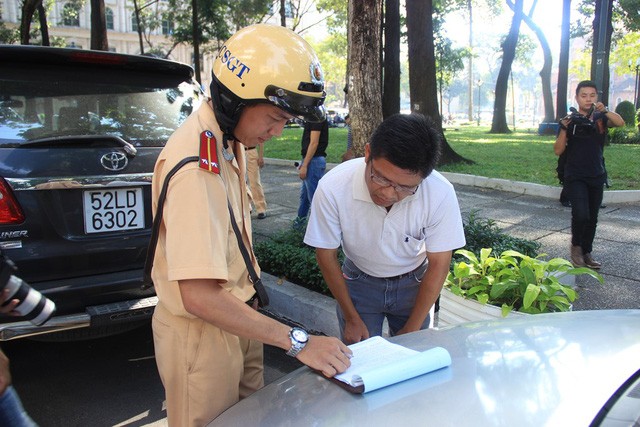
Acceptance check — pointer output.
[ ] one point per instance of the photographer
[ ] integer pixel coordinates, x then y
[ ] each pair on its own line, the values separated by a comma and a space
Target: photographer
582, 136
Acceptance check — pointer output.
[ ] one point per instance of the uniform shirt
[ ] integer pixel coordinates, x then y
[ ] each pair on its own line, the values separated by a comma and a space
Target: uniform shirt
381, 243
196, 240
323, 142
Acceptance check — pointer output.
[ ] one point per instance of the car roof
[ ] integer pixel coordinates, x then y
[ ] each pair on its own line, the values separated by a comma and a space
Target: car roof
546, 369
81, 58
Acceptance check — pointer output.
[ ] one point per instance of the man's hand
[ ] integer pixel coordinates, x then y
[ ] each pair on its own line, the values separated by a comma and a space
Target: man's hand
355, 331
260, 162
5, 374
326, 354
303, 172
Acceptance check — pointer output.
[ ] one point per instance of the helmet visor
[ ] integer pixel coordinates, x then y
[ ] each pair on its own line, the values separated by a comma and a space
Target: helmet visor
307, 108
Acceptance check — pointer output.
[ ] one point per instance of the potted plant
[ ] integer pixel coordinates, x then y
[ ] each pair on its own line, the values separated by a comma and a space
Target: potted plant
507, 285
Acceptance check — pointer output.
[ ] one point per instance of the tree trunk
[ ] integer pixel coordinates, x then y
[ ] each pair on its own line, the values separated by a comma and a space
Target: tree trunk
98, 26
365, 93
391, 84
28, 9
606, 49
422, 69
283, 14
196, 40
470, 61
499, 122
140, 29
44, 27
545, 72
563, 62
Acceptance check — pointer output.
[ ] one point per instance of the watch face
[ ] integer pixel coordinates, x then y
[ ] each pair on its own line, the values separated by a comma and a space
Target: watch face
299, 335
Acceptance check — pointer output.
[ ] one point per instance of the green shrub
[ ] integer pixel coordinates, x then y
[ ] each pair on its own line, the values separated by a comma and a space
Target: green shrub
624, 135
484, 233
627, 111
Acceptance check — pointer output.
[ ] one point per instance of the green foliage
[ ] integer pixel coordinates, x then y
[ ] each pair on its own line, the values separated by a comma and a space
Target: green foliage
624, 135
286, 255
484, 233
627, 111
8, 35
514, 281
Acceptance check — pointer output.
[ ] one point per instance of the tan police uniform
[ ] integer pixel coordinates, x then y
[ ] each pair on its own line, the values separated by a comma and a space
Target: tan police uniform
204, 369
255, 183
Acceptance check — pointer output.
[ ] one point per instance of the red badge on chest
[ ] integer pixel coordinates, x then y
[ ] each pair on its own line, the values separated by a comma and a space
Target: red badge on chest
208, 152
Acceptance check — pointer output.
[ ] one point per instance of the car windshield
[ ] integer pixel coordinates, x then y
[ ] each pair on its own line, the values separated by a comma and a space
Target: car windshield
143, 116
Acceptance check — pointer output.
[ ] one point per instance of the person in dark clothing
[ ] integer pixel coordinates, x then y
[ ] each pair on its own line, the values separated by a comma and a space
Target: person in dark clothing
581, 136
315, 140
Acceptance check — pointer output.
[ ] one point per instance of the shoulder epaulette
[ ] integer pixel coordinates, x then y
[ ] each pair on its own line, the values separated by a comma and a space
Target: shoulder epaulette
209, 152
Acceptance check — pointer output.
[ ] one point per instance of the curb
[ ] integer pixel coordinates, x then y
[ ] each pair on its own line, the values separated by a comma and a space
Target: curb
310, 309
519, 187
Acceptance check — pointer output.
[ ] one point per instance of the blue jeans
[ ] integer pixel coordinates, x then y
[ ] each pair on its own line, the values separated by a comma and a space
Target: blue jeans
586, 197
378, 298
315, 170
12, 414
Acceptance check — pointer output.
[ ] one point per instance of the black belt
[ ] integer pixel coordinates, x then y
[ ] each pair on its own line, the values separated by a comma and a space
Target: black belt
249, 148
400, 276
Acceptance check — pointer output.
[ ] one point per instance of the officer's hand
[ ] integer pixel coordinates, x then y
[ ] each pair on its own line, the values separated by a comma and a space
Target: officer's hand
355, 331
328, 355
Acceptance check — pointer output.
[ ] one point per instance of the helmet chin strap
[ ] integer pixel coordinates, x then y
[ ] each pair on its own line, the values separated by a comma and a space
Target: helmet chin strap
227, 111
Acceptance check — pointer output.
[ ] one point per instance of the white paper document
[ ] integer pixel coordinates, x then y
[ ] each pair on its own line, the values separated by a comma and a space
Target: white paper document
377, 363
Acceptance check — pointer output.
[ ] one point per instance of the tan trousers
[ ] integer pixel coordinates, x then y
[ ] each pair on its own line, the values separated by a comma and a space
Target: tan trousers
204, 369
255, 184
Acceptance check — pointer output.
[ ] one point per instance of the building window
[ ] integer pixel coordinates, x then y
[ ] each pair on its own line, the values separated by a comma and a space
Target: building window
71, 15
167, 27
134, 23
108, 15
274, 9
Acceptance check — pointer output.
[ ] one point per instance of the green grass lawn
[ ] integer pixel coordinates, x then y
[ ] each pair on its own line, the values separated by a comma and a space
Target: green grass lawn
519, 156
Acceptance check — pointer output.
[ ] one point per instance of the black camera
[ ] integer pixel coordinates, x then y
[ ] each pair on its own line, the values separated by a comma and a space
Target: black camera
579, 124
33, 306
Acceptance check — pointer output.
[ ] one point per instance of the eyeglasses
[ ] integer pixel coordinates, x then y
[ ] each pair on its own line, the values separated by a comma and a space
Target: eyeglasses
384, 182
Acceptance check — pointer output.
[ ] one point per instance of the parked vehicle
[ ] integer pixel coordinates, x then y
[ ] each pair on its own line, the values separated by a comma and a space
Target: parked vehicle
578, 368
79, 135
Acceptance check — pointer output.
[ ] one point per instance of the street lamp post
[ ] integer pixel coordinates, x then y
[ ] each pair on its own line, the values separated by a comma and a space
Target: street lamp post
635, 84
479, 86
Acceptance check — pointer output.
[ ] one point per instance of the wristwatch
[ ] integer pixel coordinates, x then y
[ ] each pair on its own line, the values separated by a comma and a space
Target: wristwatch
299, 338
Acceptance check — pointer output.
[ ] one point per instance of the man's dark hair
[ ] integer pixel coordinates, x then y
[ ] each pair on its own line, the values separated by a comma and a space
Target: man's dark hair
408, 141
586, 83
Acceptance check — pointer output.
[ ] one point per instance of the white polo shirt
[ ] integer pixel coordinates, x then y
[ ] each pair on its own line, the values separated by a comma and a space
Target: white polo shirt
381, 243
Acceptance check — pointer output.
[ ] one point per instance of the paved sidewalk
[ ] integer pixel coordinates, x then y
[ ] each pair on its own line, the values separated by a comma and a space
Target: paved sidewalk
538, 217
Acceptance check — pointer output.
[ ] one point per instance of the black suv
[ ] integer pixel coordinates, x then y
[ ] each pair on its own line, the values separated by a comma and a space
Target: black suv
80, 132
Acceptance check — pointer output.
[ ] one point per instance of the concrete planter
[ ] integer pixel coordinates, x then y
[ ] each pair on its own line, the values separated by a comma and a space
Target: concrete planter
455, 310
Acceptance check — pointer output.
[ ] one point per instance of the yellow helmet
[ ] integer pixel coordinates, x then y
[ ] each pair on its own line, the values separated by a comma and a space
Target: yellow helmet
267, 63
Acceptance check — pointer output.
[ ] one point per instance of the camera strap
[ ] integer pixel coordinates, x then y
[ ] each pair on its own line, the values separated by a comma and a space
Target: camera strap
147, 282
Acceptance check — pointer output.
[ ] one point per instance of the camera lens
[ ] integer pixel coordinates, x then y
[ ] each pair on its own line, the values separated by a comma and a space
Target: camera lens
33, 306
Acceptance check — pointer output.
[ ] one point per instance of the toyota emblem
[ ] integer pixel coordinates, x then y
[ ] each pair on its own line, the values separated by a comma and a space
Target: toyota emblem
114, 161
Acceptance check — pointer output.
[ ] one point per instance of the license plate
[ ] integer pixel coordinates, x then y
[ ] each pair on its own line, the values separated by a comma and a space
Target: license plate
113, 210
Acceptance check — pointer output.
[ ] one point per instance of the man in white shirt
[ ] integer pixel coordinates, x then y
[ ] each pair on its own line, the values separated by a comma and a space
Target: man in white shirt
397, 221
